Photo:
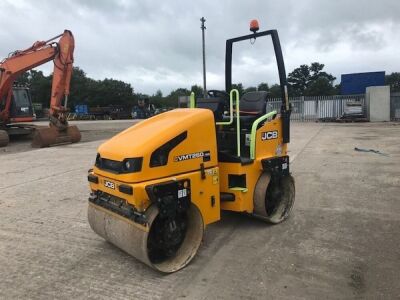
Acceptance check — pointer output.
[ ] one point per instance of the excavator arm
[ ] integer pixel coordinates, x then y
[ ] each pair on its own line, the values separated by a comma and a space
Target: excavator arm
20, 61
61, 78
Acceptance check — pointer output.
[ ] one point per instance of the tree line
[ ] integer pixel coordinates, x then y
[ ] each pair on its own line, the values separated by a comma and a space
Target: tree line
305, 80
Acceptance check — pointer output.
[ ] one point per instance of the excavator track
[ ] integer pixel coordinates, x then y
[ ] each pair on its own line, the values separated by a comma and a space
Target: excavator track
150, 243
273, 199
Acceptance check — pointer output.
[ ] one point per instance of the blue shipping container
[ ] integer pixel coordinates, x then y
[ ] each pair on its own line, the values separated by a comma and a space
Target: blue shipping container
356, 83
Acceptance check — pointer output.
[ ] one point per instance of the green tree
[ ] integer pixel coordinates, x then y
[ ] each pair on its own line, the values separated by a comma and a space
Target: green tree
394, 81
172, 99
24, 78
40, 87
239, 87
157, 99
250, 89
263, 86
113, 92
159, 94
275, 91
82, 89
198, 91
39, 84
298, 80
316, 72
311, 81
138, 96
337, 89
320, 86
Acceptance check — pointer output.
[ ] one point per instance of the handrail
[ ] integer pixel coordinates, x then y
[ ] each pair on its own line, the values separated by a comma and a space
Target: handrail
230, 108
192, 100
254, 131
237, 120
232, 92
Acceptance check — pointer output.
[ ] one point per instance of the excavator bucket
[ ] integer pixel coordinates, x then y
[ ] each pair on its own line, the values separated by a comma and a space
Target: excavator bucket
51, 136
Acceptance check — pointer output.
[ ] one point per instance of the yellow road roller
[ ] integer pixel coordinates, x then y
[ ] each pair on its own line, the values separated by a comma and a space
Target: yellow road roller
157, 185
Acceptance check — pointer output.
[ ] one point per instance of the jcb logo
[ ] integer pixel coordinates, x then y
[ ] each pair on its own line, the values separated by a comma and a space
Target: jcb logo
109, 184
269, 135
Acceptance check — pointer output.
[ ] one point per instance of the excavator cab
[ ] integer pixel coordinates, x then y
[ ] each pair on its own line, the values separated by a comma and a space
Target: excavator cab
157, 185
21, 109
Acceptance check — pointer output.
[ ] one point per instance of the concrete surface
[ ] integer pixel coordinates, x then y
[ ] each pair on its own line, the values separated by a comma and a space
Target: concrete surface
90, 131
378, 103
342, 241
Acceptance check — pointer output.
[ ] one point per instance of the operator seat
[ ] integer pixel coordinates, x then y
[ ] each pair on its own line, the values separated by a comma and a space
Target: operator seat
252, 106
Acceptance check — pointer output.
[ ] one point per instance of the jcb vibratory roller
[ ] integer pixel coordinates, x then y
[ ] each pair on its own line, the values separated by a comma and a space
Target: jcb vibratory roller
158, 184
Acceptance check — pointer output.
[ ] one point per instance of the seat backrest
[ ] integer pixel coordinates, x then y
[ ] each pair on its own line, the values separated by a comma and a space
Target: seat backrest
216, 105
253, 103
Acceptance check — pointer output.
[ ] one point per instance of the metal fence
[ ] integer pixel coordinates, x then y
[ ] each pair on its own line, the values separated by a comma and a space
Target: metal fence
395, 106
323, 108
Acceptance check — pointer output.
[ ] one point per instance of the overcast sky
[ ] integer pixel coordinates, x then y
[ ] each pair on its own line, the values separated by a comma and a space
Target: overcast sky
157, 44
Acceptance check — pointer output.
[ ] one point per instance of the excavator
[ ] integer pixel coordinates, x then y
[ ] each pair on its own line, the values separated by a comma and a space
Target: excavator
156, 186
15, 102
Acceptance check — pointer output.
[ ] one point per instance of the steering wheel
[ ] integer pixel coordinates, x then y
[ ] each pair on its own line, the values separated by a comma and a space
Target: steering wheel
217, 93
220, 94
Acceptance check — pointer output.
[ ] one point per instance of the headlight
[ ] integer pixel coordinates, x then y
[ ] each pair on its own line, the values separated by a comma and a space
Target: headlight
130, 165
127, 164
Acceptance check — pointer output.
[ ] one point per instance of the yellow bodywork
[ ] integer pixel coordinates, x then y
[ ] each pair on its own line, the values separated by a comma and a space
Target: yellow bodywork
207, 178
143, 138
264, 149
202, 192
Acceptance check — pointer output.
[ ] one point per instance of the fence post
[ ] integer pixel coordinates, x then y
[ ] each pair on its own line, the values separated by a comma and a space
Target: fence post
378, 103
302, 108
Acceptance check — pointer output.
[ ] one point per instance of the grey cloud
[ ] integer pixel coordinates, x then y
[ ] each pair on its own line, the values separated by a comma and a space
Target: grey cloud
157, 44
